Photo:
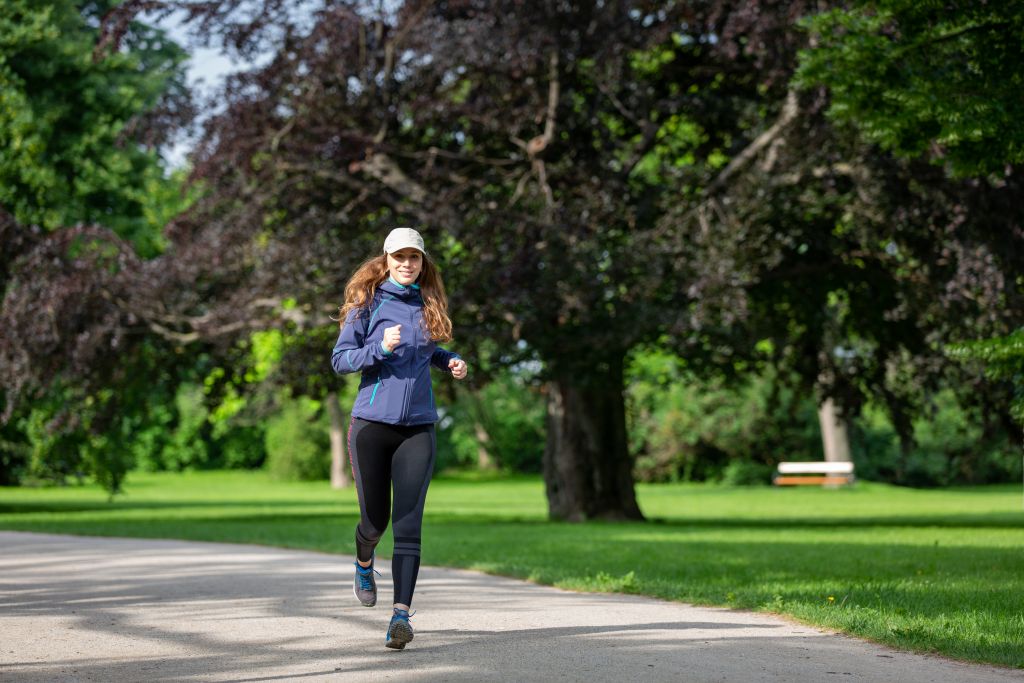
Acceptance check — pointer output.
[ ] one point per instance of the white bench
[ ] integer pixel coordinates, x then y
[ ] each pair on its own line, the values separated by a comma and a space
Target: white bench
813, 473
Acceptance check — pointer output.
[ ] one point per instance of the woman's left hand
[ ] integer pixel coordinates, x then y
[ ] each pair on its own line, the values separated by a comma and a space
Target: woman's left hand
458, 367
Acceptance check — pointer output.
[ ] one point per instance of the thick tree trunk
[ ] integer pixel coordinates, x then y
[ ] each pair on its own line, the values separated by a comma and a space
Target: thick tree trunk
587, 469
340, 477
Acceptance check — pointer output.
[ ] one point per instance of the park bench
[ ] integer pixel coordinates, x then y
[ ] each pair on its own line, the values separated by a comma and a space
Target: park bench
813, 473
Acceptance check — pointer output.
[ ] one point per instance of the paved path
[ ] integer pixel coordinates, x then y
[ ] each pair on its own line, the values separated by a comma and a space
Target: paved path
104, 609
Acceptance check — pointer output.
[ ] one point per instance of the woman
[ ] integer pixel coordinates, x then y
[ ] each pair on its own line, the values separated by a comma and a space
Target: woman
395, 313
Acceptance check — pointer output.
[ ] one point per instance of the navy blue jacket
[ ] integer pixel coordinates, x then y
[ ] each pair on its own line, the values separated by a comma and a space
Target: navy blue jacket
395, 387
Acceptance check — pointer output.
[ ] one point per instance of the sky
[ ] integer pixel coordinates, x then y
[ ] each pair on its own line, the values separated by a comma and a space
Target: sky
207, 69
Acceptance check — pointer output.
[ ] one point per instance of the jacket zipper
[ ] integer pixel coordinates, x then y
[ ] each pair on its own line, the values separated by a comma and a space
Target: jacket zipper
407, 393
375, 387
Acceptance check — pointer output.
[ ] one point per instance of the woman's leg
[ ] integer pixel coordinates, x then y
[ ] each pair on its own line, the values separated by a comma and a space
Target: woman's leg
370, 447
411, 467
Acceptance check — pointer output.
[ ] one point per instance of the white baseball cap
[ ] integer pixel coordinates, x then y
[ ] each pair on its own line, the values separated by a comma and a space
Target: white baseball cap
400, 238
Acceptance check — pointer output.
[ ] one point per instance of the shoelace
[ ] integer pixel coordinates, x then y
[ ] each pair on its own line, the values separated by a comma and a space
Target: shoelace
365, 577
402, 614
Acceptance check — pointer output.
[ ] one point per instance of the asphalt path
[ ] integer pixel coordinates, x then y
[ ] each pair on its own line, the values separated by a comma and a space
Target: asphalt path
112, 609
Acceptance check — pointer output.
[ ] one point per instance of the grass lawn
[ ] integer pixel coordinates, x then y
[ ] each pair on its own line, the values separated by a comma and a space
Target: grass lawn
933, 571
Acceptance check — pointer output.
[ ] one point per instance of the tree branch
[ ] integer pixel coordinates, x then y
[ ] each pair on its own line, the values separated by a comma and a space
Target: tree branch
789, 111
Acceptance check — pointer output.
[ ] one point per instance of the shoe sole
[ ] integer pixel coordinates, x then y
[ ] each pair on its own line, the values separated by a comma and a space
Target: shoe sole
399, 635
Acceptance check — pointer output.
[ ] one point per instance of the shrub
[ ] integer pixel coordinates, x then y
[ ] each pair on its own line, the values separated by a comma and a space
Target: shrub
243, 447
188, 446
951, 447
747, 473
510, 410
297, 442
685, 428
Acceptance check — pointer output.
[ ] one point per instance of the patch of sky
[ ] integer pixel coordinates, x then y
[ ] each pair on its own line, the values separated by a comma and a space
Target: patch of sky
210, 64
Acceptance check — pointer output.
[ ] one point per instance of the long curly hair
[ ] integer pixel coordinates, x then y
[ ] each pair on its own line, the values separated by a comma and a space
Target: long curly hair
374, 271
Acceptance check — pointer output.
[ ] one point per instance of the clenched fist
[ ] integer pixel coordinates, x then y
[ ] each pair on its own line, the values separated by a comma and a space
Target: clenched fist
392, 338
458, 367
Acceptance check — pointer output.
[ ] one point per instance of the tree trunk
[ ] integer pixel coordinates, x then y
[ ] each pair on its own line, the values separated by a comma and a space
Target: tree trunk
340, 478
587, 469
483, 456
834, 437
485, 460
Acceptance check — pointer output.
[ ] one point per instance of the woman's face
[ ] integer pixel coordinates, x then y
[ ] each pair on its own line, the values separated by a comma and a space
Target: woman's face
405, 265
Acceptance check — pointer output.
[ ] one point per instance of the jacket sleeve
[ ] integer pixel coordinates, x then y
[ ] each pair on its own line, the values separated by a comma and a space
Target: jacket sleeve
350, 354
439, 359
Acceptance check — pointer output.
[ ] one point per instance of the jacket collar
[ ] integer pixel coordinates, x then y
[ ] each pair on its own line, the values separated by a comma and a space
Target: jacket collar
391, 286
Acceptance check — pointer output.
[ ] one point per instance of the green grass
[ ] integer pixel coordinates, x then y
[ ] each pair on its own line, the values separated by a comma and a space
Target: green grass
932, 571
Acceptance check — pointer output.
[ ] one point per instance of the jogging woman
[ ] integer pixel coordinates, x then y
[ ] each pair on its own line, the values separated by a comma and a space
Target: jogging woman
395, 313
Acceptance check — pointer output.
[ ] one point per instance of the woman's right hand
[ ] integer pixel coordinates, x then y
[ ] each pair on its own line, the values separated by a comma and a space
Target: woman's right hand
392, 338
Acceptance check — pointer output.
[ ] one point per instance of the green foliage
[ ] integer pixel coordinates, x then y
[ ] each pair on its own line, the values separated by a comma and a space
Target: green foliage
14, 453
67, 121
677, 140
266, 349
516, 413
243, 446
154, 433
78, 145
950, 447
54, 455
181, 431
297, 442
509, 411
683, 428
1003, 358
458, 447
916, 76
747, 473
108, 456
162, 422
211, 419
62, 445
188, 447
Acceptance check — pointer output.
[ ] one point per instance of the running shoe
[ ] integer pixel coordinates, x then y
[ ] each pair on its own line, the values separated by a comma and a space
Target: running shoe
365, 586
399, 630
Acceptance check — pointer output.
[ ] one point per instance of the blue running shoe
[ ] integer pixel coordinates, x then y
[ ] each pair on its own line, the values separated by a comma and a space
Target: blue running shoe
399, 630
365, 586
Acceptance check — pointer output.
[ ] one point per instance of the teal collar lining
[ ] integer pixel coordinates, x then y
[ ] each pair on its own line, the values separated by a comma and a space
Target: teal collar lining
396, 283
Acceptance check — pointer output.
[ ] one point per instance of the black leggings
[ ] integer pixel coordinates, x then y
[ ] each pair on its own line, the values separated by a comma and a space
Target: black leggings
385, 456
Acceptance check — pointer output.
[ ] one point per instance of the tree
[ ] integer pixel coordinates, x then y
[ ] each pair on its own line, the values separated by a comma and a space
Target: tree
941, 83
78, 145
1004, 359
537, 144
80, 134
921, 79
854, 269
